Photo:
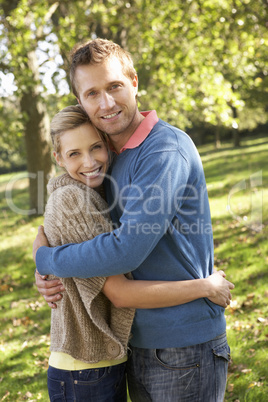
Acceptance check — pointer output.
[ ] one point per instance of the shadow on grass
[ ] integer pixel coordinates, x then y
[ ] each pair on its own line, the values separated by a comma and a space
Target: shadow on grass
232, 148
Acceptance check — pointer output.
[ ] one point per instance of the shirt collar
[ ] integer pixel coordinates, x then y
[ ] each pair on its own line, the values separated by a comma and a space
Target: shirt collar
142, 131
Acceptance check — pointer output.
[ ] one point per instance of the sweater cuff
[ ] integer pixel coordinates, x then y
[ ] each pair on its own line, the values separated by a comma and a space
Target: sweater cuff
43, 256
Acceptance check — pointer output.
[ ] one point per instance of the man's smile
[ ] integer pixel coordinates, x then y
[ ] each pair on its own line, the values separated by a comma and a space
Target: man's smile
110, 116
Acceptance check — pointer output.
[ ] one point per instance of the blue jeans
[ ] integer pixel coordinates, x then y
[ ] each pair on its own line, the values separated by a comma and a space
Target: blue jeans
194, 374
106, 384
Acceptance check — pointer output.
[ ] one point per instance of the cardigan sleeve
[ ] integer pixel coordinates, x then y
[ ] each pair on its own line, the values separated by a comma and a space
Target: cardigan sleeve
71, 217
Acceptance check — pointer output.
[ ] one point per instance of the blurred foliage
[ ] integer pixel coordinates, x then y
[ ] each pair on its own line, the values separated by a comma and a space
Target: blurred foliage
202, 64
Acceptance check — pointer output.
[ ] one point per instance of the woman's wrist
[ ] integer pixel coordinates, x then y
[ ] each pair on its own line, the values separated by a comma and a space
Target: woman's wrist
208, 288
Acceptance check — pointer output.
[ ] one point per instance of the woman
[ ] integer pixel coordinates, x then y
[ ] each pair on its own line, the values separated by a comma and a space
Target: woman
89, 334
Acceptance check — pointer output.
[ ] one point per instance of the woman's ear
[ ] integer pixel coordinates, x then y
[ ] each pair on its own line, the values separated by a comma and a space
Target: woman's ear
58, 159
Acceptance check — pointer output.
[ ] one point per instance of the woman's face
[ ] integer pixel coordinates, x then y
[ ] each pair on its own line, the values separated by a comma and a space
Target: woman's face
84, 155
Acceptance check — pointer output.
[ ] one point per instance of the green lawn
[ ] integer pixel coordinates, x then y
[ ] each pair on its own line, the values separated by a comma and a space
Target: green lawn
238, 187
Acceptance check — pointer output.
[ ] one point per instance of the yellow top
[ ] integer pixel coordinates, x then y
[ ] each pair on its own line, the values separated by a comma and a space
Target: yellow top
63, 361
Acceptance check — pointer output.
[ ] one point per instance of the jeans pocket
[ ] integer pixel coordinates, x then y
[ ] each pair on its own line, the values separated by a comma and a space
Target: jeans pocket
221, 359
181, 371
178, 358
90, 376
56, 390
222, 351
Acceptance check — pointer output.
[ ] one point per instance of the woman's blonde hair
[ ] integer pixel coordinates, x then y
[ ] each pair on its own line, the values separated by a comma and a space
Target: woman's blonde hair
70, 118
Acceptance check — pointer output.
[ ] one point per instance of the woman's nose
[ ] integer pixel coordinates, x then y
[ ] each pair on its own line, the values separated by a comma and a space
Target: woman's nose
88, 160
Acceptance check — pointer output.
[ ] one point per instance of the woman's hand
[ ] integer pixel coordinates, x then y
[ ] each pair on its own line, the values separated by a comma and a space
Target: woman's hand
219, 289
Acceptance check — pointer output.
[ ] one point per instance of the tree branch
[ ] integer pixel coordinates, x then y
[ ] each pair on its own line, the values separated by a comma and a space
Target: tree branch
51, 11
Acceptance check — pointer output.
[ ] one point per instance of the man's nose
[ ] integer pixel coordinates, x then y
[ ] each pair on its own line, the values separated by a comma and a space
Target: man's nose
106, 101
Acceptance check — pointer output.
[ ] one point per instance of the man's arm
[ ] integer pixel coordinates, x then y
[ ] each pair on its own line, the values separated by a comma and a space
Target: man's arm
124, 249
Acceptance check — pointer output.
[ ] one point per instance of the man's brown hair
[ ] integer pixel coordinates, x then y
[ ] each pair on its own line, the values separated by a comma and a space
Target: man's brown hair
97, 51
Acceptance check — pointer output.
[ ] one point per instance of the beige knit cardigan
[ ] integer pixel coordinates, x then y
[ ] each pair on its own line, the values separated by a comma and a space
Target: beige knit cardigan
86, 325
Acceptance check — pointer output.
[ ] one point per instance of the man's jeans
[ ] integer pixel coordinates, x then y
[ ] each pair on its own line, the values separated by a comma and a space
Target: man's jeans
195, 374
97, 385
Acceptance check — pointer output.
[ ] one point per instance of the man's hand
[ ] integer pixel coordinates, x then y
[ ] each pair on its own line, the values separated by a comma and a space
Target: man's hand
40, 240
49, 289
220, 289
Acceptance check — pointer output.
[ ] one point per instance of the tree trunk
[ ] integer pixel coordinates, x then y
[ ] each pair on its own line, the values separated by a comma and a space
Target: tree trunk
37, 139
236, 136
217, 137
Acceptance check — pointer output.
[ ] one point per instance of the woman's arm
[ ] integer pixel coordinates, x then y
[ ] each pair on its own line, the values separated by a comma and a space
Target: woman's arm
123, 292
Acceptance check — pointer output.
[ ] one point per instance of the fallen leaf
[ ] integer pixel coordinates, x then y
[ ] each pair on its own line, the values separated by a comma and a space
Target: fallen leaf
246, 371
251, 352
5, 396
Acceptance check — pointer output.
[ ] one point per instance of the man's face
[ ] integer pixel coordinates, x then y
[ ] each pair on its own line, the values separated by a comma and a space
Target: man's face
109, 97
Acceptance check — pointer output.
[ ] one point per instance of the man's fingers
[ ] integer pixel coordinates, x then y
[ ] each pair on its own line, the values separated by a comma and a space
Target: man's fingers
48, 288
53, 298
47, 292
52, 305
41, 230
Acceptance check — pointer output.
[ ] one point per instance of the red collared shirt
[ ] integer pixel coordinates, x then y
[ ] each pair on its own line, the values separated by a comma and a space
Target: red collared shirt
142, 131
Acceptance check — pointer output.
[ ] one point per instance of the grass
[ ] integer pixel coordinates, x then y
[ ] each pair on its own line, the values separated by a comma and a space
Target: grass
238, 186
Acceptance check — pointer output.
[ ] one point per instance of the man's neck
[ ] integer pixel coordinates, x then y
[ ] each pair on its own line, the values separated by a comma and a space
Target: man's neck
118, 141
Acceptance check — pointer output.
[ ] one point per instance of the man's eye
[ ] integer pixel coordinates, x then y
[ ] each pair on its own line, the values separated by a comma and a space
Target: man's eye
115, 86
73, 154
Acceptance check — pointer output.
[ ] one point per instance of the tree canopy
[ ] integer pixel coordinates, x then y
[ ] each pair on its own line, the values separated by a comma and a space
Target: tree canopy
201, 64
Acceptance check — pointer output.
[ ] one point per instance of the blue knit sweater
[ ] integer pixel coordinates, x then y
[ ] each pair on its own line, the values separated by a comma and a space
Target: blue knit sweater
162, 232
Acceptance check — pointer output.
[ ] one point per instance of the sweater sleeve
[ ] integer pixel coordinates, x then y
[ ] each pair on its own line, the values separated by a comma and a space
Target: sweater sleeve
70, 217
124, 249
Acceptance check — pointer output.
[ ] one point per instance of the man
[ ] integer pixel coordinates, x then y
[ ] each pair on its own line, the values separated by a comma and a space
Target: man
160, 207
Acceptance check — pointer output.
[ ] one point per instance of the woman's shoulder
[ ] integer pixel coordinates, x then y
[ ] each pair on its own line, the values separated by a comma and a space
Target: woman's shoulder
69, 194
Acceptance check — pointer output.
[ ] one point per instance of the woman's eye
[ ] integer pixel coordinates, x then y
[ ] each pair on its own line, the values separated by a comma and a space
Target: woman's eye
73, 154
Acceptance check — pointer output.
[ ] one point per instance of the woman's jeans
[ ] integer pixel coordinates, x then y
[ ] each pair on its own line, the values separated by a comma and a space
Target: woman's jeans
194, 374
97, 385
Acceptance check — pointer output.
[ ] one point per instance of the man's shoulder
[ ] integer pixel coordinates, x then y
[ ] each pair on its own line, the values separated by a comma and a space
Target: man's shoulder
164, 137
163, 126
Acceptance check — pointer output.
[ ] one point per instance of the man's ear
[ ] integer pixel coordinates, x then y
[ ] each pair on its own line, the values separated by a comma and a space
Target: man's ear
135, 83
58, 159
